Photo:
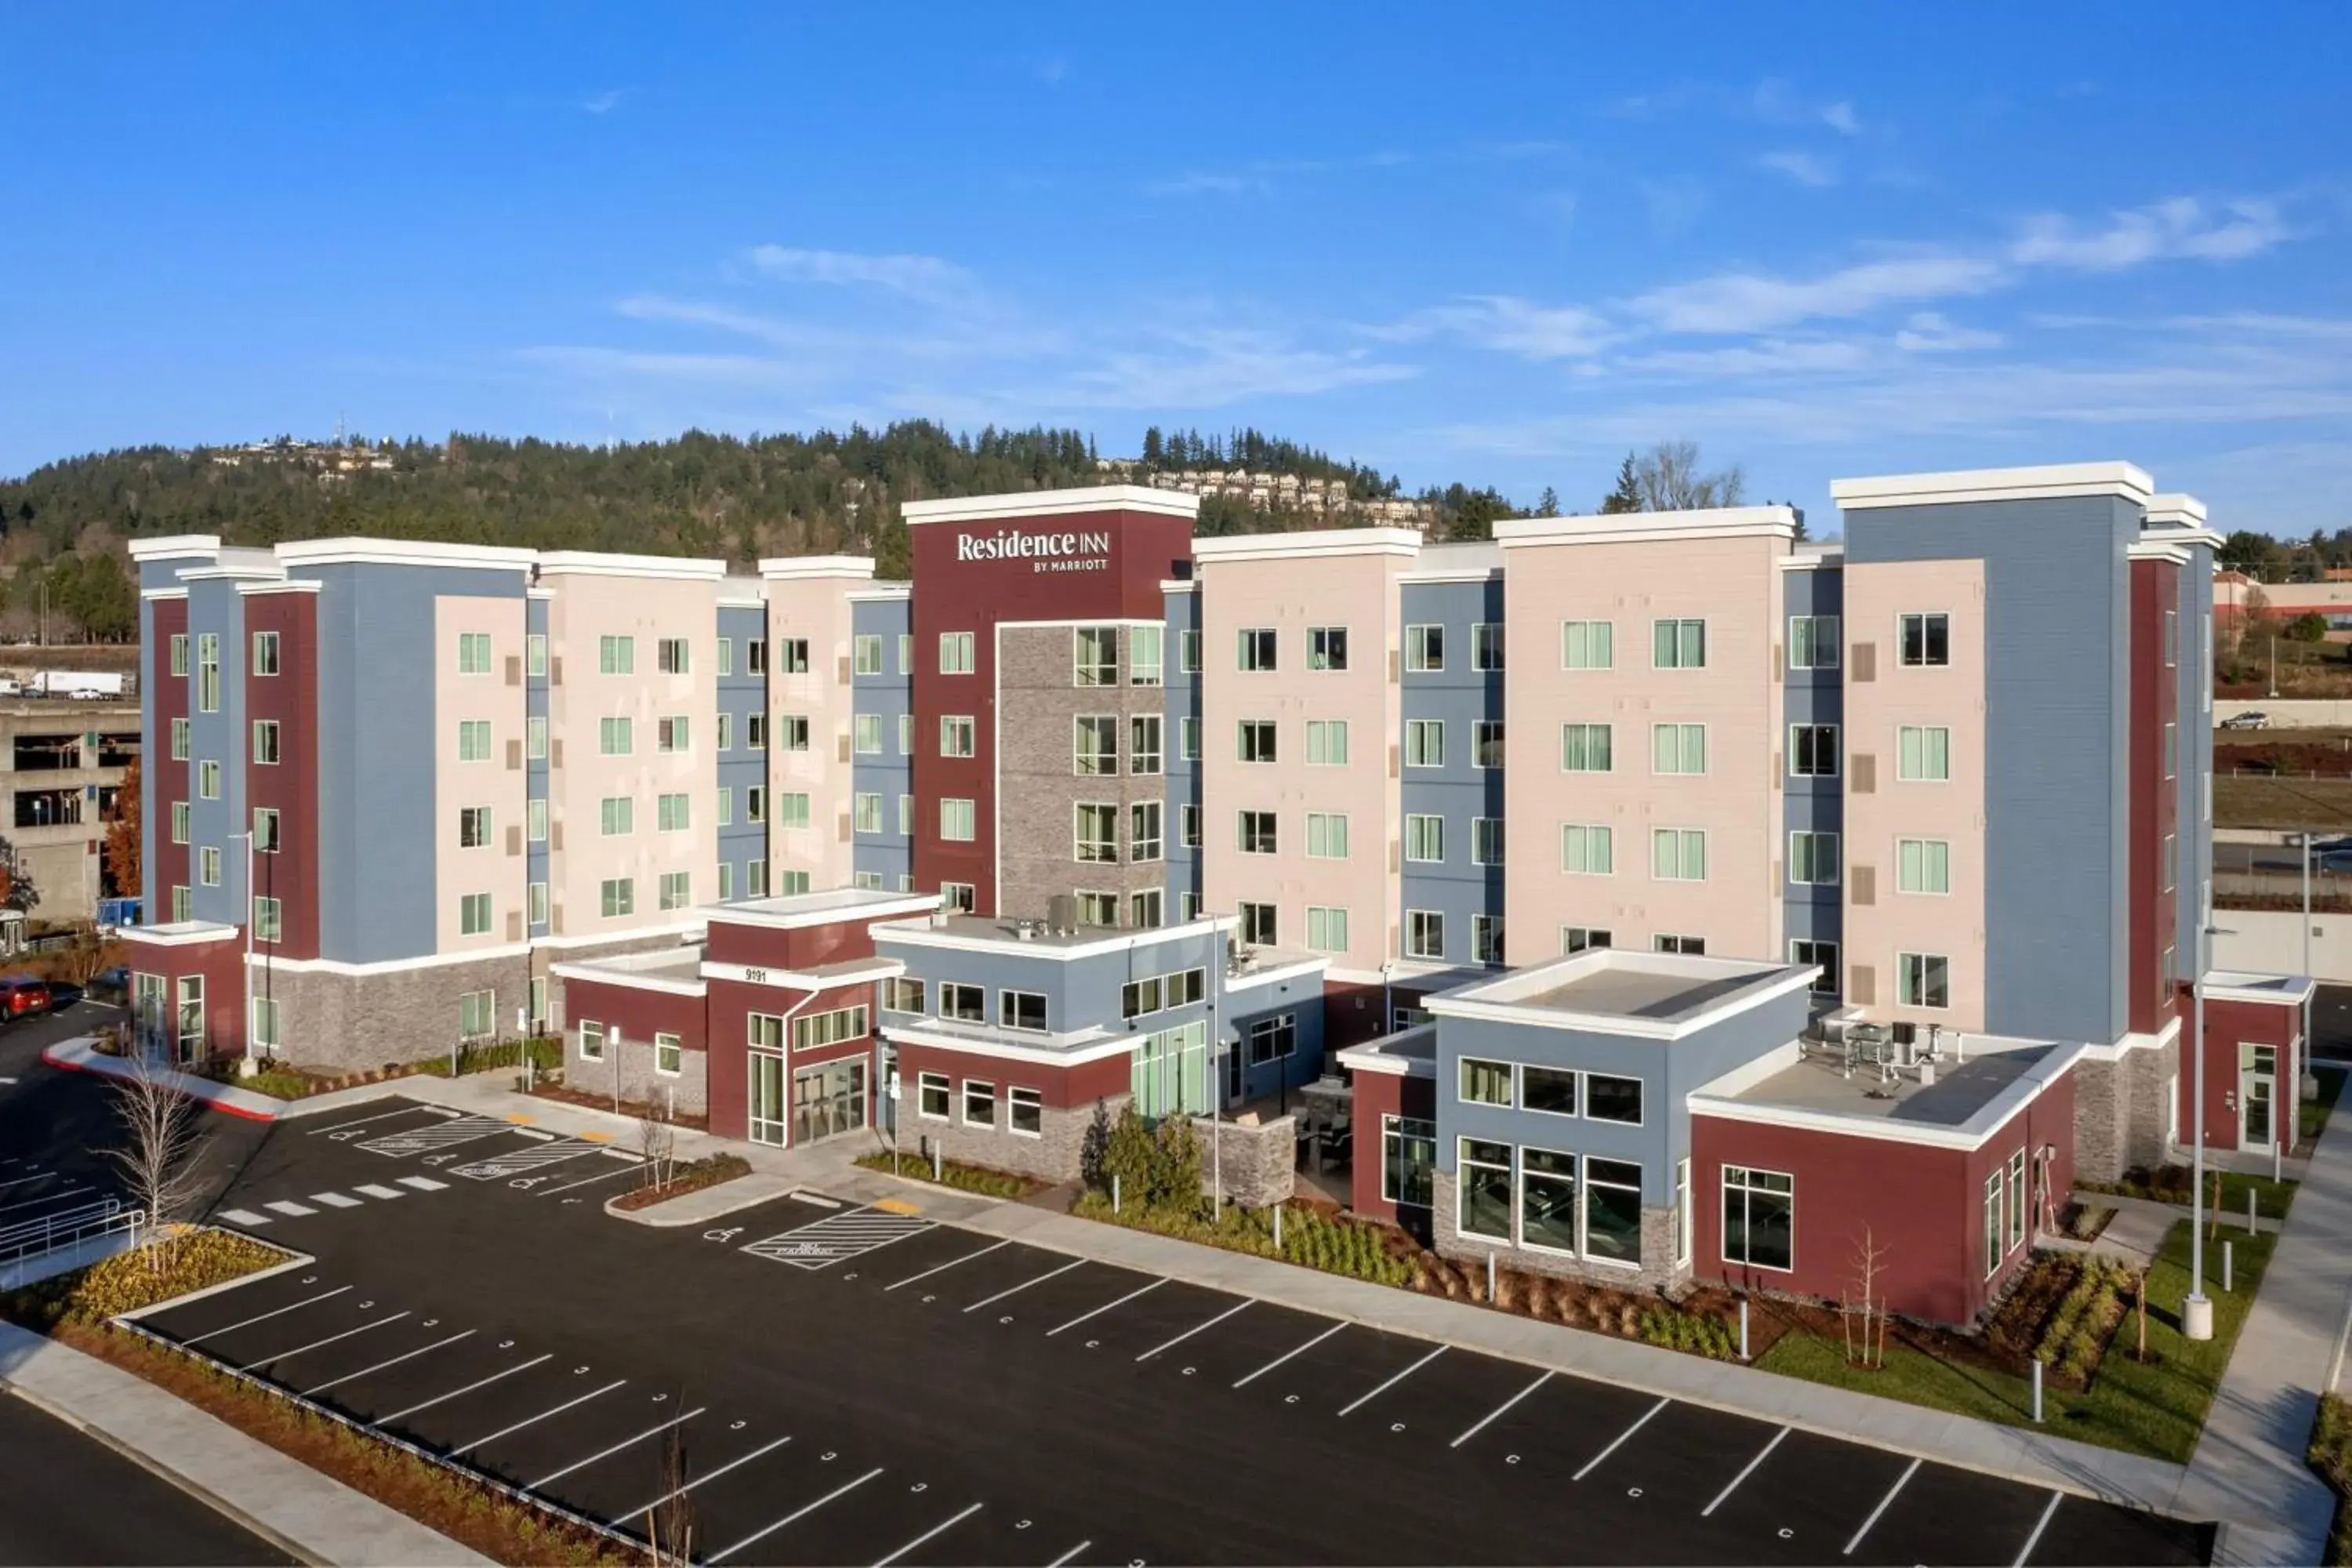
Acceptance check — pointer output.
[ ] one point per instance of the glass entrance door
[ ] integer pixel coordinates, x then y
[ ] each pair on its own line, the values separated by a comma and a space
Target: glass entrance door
2257, 1094
828, 1100
767, 1099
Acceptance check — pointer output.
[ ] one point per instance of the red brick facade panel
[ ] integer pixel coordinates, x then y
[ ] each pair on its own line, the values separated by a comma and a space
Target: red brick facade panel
2152, 919
165, 781
290, 785
221, 964
797, 947
2229, 1026
638, 1012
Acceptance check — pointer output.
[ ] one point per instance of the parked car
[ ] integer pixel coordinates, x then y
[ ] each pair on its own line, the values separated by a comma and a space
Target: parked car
2334, 858
21, 996
63, 995
111, 984
2249, 720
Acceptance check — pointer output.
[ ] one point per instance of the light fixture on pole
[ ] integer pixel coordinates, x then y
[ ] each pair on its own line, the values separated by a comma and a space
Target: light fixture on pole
247, 980
2197, 1309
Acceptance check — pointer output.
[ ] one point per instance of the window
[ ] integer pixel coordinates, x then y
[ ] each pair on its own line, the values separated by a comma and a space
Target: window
1608, 1097
1094, 655
669, 1055
1813, 751
265, 1030
1255, 651
966, 1003
1923, 980
956, 821
1273, 1039
1679, 748
1588, 644
1188, 825
1824, 955
1923, 866
1146, 660
1689, 946
1188, 652
1486, 939
536, 901
264, 653
1579, 939
1424, 837
269, 919
1485, 841
617, 897
726, 882
534, 730
1143, 755
1992, 1221
473, 828
1327, 743
1552, 1090
792, 733
1486, 744
1678, 645
1188, 739
2015, 1235
906, 653
865, 654
1759, 1219
1021, 1010
1253, 740
180, 654
1424, 743
1099, 909
1144, 909
906, 816
724, 738
265, 830
1923, 753
1256, 833
1678, 854
614, 737
1612, 1210
208, 781
1095, 746
473, 653
961, 896
474, 740
1812, 859
1327, 647
900, 995
755, 732
2171, 750
616, 815
182, 903
723, 665
182, 730
1424, 648
474, 914
1145, 841
1483, 1174
931, 1096
1812, 642
673, 814
1425, 933
1025, 1114
813, 1031
1487, 645
670, 735
1408, 1161
670, 655
591, 1042
792, 655
867, 727
979, 1103
617, 656
791, 806
1584, 748
1258, 923
1588, 850
956, 656
1327, 835
1327, 929
265, 741
1094, 833
755, 656
1924, 640
180, 822
2171, 637
1158, 993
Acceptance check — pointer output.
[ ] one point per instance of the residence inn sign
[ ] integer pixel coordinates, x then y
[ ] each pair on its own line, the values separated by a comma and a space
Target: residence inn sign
1048, 552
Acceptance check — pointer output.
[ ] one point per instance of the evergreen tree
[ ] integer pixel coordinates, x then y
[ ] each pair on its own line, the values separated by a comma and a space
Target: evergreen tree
1627, 496
1547, 503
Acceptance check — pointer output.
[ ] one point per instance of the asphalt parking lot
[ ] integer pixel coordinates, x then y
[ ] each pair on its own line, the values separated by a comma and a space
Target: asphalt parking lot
856, 1385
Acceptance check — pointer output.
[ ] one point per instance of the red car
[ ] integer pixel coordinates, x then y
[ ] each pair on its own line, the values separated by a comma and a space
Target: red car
21, 997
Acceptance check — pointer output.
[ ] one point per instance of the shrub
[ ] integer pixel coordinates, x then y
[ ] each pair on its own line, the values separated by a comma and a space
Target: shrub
190, 1259
1694, 1333
1175, 1162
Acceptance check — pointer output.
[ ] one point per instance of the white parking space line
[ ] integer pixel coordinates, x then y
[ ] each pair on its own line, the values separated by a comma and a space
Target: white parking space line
379, 1116
38, 1174
607, 1176
478, 1382
45, 1198
1000, 1296
371, 1190
396, 1360
549, 1480
1107, 1306
1900, 1483
1480, 1424
839, 1237
517, 1162
1065, 1556
273, 1312
801, 1512
939, 1529
1195, 1329
289, 1207
244, 1216
943, 1267
1399, 1377
423, 1184
1286, 1355
677, 1492
319, 1344
334, 1200
2039, 1525
440, 1136
1593, 1463
1763, 1454
535, 1420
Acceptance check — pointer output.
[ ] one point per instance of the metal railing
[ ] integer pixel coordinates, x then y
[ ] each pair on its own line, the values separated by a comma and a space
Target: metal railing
33, 1239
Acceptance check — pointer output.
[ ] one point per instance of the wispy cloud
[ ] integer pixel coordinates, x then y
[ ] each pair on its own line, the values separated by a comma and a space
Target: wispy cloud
1805, 168
1929, 333
1673, 205
1507, 325
603, 102
2182, 227
1202, 183
1743, 302
924, 278
1840, 117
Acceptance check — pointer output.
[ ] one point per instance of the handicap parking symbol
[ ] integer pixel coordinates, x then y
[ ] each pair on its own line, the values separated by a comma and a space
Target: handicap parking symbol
728, 1234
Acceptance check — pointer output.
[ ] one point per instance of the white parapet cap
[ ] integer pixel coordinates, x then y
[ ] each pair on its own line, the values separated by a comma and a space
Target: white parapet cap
796, 911
181, 934
1003, 934
175, 547
1306, 545
594, 564
1624, 992
673, 971
2158, 547
2179, 518
2055, 482
1814, 555
405, 553
2273, 990
1407, 1053
882, 592
857, 567
1053, 503
1645, 527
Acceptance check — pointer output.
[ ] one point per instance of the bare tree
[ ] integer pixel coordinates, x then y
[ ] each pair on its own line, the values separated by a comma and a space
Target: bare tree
656, 1144
1865, 1347
1669, 480
669, 1524
161, 1143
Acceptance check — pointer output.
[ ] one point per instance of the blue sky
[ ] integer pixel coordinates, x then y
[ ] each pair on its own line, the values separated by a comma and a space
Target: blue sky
1489, 243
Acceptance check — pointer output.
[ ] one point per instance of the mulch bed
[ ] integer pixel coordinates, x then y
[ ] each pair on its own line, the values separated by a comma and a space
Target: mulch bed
636, 1107
691, 1176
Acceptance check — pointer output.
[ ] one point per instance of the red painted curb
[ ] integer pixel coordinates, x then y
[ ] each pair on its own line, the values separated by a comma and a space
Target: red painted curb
224, 1107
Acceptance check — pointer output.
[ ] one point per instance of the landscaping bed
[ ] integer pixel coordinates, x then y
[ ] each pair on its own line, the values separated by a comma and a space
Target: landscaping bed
79, 1309
963, 1178
2331, 1455
2311, 1118
2170, 1185
281, 1081
636, 1110
685, 1177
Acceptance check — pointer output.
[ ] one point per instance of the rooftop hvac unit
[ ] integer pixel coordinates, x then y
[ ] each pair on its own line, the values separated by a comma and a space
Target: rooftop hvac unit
1907, 1034
1062, 914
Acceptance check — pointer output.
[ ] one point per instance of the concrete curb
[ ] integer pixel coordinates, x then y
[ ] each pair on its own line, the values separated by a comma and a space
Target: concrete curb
742, 1192
81, 1054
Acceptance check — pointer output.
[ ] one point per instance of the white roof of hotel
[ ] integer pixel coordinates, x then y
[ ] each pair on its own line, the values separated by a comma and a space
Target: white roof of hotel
2049, 482
1306, 542
1981, 1082
2238, 985
1623, 991
790, 911
1003, 933
1636, 527
1407, 1053
1469, 558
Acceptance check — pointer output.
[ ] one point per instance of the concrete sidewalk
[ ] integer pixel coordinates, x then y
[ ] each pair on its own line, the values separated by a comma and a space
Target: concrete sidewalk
311, 1516
81, 1054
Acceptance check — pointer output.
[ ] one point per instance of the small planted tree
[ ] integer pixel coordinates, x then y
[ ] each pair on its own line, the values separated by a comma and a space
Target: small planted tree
1128, 1153
1866, 1318
1176, 1164
669, 1524
161, 1141
1094, 1148
656, 1145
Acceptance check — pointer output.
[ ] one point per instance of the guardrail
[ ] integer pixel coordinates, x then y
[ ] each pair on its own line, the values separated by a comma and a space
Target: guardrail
28, 1239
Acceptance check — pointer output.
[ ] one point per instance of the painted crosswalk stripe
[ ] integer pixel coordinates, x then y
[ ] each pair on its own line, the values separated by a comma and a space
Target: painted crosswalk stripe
334, 1200
288, 1206
371, 1190
243, 1217
423, 1184
438, 1135
842, 1235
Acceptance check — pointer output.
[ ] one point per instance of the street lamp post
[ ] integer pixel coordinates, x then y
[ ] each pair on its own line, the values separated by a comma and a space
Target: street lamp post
2197, 1309
250, 1054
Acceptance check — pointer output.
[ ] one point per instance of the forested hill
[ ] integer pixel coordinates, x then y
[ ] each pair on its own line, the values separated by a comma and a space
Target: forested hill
696, 495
